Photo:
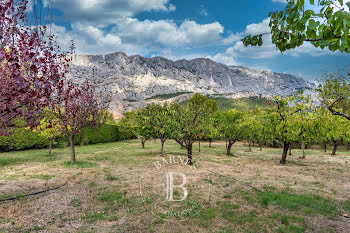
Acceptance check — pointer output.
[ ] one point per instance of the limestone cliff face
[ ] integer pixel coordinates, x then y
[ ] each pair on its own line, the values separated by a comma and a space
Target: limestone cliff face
132, 80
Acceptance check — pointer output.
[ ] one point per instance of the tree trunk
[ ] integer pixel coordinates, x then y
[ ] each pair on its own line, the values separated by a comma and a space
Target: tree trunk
285, 152
189, 154
199, 146
72, 149
162, 141
226, 144
250, 146
260, 145
334, 152
143, 141
348, 148
290, 150
325, 147
50, 146
228, 149
303, 149
210, 143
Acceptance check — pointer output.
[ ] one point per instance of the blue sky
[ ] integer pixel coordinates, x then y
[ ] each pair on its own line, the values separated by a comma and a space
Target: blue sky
179, 29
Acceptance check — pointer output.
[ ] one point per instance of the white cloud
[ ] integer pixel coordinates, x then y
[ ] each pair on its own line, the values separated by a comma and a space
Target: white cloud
282, 1
225, 59
165, 33
231, 38
87, 39
143, 37
203, 11
105, 12
258, 28
268, 50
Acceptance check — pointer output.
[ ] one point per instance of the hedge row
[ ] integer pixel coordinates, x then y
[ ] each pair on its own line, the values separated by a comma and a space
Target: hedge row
22, 139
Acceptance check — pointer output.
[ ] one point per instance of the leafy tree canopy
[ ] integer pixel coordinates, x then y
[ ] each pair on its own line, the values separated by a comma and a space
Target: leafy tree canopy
334, 90
296, 24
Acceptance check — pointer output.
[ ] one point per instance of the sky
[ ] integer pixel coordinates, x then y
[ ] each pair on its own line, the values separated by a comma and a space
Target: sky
184, 29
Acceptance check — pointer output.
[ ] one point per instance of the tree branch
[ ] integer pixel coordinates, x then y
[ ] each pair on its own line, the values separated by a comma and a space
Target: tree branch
336, 113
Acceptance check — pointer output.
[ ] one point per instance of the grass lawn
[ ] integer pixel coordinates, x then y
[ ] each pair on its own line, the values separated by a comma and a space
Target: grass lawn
102, 192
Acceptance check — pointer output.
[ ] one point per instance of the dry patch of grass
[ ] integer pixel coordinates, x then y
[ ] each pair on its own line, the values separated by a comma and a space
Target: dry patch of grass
249, 192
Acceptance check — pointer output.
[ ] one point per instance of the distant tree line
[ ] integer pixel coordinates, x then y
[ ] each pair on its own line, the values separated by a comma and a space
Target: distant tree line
287, 121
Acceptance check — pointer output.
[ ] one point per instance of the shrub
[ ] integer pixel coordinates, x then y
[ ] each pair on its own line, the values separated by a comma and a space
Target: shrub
107, 133
22, 139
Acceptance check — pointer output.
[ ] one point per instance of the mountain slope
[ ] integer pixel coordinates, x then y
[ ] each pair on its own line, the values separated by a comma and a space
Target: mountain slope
132, 81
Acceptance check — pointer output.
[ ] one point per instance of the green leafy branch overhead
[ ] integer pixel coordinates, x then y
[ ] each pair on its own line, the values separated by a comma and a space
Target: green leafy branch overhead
325, 28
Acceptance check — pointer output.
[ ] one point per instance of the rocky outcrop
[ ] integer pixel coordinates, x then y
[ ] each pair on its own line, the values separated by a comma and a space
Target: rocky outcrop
131, 81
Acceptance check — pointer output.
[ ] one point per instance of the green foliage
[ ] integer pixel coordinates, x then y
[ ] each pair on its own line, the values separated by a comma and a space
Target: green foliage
331, 128
49, 127
167, 96
187, 119
288, 116
296, 24
128, 125
21, 139
209, 128
251, 127
242, 104
334, 90
230, 125
108, 132
153, 121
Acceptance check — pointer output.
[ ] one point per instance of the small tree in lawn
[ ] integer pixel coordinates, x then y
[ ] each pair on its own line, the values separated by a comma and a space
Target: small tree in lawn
49, 128
338, 132
230, 127
157, 118
76, 108
283, 116
127, 125
145, 125
332, 128
251, 128
209, 129
264, 129
28, 68
306, 123
187, 119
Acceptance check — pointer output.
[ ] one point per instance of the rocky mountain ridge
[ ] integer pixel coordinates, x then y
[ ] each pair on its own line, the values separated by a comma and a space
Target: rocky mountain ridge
133, 81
